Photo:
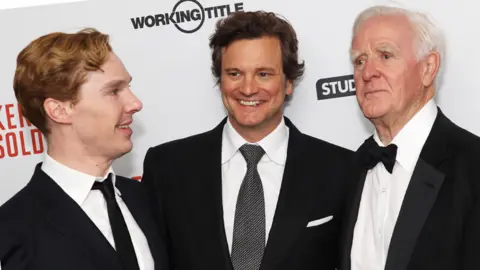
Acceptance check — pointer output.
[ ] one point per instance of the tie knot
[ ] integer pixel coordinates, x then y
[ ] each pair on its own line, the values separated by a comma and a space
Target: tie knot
252, 153
106, 187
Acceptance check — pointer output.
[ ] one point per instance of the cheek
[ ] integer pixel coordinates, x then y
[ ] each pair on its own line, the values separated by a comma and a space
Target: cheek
414, 80
96, 118
86, 114
398, 76
276, 90
398, 84
359, 86
228, 86
88, 125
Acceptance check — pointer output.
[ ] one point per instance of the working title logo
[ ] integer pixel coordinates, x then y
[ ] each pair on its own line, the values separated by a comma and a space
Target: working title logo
18, 137
187, 16
335, 87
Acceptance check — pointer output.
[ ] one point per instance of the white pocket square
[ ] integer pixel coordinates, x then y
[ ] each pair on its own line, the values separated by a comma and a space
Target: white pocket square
319, 221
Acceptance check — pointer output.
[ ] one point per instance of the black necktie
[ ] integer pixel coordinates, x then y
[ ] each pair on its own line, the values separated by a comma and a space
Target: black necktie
249, 225
372, 153
123, 242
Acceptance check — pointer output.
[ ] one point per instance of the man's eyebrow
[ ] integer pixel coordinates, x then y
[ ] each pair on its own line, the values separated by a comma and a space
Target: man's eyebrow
115, 83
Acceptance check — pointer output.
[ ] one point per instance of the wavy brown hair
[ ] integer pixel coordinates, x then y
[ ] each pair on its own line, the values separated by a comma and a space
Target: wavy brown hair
257, 24
55, 66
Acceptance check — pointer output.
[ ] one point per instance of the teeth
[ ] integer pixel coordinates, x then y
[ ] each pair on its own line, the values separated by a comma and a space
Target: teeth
124, 126
249, 103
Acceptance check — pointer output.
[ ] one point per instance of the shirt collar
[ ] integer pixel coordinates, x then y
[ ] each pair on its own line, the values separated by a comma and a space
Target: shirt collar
75, 183
272, 144
413, 135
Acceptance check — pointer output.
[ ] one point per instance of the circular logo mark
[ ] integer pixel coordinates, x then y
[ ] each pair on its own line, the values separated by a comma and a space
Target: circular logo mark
188, 15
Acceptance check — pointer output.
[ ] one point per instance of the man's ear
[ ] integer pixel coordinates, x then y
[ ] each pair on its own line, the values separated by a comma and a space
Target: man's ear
431, 65
288, 88
58, 111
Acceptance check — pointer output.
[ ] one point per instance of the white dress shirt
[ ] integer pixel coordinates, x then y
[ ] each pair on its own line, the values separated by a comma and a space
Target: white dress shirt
383, 193
270, 169
78, 186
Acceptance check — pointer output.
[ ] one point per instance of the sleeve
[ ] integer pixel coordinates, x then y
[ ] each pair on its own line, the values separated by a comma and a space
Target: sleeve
14, 252
150, 179
470, 248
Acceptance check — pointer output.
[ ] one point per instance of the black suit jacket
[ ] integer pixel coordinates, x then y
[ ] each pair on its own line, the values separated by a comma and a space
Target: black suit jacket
185, 179
438, 226
41, 227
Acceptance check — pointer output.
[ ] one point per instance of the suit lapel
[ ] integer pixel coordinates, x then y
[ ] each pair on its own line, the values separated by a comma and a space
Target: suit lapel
133, 196
420, 196
209, 170
63, 214
419, 199
291, 212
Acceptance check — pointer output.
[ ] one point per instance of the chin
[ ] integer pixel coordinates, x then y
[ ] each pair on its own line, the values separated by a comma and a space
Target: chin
374, 115
124, 149
128, 148
373, 112
249, 122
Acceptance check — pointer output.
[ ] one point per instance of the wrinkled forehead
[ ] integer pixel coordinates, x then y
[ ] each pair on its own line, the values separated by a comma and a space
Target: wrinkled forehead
395, 29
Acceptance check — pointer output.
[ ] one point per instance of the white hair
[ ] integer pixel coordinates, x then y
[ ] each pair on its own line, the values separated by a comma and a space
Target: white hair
428, 37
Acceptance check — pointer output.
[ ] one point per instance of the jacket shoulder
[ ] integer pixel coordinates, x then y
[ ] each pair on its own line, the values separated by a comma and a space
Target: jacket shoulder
19, 207
184, 147
328, 148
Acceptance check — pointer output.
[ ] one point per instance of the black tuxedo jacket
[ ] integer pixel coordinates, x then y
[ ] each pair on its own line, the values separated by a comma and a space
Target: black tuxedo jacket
41, 227
185, 180
438, 226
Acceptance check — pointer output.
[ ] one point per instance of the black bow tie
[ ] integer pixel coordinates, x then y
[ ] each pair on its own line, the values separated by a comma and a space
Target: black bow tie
372, 153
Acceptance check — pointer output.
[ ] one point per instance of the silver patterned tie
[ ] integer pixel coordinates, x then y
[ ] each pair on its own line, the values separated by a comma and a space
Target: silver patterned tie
249, 225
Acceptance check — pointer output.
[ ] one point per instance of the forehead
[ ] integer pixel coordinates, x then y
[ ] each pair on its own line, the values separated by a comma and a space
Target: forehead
256, 51
112, 69
394, 29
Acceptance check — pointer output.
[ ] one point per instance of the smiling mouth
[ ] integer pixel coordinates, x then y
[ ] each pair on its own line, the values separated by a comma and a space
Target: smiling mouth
251, 103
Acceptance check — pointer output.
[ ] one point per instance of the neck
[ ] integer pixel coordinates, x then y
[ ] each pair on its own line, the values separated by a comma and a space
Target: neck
390, 125
76, 157
256, 133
